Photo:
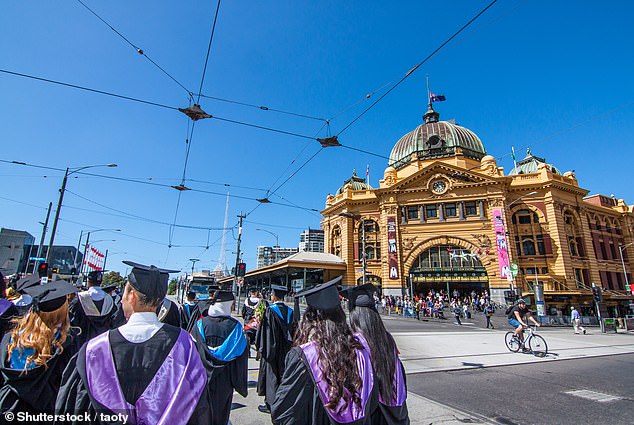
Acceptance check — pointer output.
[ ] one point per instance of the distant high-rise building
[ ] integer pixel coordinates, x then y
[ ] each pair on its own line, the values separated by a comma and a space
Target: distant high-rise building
15, 246
268, 255
311, 240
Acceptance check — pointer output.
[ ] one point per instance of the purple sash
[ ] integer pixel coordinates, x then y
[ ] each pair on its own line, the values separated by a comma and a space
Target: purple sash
350, 412
4, 305
171, 396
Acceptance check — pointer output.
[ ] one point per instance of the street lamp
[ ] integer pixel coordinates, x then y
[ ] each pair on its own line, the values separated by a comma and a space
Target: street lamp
363, 262
277, 239
69, 171
627, 282
81, 234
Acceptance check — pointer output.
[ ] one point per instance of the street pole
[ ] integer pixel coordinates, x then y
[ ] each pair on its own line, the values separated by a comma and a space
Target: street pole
59, 207
363, 248
81, 234
39, 247
85, 254
105, 257
235, 272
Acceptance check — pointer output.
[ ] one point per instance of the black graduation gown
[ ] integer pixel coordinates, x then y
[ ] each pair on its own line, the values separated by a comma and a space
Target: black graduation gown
119, 316
5, 319
136, 365
392, 415
90, 326
189, 315
297, 401
224, 377
172, 315
35, 390
274, 340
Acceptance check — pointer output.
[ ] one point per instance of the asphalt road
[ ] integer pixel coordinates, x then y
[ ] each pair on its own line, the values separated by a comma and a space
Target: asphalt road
576, 392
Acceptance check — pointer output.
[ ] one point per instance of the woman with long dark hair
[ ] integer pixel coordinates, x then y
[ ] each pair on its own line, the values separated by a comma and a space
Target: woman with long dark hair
35, 352
388, 369
328, 377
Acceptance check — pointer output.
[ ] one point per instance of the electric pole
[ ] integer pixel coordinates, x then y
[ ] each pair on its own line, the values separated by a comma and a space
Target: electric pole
235, 270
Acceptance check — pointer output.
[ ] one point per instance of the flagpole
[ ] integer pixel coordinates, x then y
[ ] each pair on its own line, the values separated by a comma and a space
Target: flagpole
428, 92
514, 160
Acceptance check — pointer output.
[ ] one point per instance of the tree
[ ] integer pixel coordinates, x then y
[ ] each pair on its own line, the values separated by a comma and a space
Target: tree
171, 287
113, 278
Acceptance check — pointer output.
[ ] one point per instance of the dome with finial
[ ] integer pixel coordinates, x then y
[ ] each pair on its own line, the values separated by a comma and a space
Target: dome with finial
355, 183
531, 164
435, 139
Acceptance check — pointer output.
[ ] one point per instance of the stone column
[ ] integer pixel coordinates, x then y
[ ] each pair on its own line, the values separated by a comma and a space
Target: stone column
481, 207
441, 212
403, 215
421, 213
461, 210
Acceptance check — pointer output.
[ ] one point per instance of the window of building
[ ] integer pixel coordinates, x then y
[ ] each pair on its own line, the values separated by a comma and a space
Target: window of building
579, 278
335, 241
604, 253
470, 208
450, 210
544, 270
540, 244
431, 211
528, 246
372, 240
613, 251
412, 213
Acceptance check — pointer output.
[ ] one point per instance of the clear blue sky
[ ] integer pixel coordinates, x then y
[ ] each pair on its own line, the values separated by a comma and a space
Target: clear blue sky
555, 76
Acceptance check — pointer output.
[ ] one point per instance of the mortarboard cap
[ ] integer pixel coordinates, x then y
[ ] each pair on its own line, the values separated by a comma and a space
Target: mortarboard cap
149, 280
324, 296
95, 276
360, 296
220, 296
279, 290
110, 288
50, 296
27, 282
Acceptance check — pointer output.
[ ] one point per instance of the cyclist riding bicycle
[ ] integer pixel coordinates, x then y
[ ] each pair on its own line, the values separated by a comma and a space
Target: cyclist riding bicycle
516, 319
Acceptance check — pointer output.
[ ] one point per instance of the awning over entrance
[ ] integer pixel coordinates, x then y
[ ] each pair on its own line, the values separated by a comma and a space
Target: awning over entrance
301, 270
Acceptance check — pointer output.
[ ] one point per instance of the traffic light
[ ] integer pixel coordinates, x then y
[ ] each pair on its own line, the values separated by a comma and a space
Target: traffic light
42, 270
596, 294
73, 271
242, 268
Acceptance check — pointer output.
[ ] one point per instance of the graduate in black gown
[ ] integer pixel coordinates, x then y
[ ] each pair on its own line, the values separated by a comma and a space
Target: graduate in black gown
145, 371
170, 312
119, 317
227, 354
388, 369
328, 377
274, 341
190, 312
7, 309
92, 310
34, 354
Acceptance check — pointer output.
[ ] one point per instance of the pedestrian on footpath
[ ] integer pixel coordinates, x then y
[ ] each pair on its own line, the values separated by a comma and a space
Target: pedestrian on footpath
488, 313
457, 311
575, 318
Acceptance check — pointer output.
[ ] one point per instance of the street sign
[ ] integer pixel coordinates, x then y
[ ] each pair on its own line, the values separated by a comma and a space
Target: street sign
514, 269
37, 259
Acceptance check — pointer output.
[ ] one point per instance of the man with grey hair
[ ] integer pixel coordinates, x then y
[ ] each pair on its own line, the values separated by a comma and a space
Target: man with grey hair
575, 318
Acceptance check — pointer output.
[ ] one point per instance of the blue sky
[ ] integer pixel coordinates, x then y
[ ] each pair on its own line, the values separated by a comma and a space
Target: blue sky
552, 76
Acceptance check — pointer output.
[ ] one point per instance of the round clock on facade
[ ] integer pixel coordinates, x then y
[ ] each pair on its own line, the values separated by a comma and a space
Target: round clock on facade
439, 186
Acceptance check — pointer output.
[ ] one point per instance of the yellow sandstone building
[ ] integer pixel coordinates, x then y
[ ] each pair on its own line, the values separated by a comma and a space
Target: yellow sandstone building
445, 216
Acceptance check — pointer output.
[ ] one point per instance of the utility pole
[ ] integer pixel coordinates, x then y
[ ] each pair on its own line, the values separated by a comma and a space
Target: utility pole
59, 208
39, 247
235, 271
81, 234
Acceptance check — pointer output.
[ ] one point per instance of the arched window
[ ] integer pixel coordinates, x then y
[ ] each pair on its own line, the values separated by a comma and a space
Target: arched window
574, 235
335, 241
372, 239
529, 239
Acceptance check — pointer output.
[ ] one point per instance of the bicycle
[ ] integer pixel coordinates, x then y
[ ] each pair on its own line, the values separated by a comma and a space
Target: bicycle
535, 343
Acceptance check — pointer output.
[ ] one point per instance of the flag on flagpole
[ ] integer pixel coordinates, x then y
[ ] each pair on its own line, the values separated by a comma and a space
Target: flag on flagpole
367, 174
437, 98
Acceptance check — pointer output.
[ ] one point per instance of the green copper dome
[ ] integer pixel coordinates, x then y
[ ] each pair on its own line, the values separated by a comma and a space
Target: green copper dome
356, 183
530, 164
435, 139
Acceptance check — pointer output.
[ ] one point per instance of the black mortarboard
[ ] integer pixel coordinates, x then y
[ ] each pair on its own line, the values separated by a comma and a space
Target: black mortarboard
324, 296
191, 294
95, 276
50, 296
279, 290
361, 296
27, 282
110, 288
220, 296
149, 280
253, 289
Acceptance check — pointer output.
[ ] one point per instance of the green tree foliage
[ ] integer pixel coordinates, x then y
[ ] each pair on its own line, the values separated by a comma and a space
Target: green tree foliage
113, 278
171, 287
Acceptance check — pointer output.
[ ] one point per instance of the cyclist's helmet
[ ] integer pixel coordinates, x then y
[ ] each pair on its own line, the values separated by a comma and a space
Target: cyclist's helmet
520, 301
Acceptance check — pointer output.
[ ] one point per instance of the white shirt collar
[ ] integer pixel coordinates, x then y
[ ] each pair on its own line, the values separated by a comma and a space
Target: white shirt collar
140, 327
220, 309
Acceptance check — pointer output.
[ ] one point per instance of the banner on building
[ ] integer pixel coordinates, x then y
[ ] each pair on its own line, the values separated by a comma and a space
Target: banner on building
94, 259
392, 258
500, 238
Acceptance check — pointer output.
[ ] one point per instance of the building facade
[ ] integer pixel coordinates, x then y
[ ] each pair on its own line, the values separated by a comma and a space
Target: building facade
15, 246
445, 216
311, 240
268, 255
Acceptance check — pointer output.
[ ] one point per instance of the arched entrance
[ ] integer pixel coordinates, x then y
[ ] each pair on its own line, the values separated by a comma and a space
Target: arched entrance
450, 268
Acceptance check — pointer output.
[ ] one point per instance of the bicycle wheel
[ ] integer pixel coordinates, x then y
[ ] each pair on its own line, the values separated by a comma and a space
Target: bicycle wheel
512, 342
538, 346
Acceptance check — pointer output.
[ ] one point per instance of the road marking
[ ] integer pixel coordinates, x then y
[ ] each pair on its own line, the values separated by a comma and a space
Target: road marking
594, 395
